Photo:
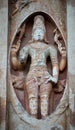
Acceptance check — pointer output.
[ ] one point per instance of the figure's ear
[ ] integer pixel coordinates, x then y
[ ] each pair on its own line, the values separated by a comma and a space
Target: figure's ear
45, 39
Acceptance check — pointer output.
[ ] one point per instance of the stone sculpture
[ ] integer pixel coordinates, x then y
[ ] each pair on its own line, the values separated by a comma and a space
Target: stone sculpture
39, 81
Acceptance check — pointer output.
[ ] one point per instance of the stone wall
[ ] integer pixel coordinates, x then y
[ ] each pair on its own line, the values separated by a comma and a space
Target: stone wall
11, 117
71, 63
3, 61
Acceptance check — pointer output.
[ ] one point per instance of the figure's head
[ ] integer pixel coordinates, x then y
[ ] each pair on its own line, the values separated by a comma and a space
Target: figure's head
39, 30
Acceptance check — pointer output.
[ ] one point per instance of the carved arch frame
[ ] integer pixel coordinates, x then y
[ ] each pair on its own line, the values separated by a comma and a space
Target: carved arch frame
54, 117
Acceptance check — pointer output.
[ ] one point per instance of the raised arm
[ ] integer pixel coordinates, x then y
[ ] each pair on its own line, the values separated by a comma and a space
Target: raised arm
16, 64
55, 66
61, 49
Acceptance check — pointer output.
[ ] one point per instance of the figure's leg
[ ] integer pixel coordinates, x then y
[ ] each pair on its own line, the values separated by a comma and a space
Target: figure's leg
32, 91
45, 91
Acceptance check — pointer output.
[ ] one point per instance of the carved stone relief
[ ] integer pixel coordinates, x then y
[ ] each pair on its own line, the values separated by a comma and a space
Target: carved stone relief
37, 67
39, 82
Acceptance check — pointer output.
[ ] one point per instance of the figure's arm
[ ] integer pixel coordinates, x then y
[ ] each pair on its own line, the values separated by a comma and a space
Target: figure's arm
15, 50
16, 65
61, 49
55, 66
23, 54
63, 58
18, 62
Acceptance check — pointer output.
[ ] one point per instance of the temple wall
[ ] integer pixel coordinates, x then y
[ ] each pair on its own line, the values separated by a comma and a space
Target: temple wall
11, 117
3, 61
71, 61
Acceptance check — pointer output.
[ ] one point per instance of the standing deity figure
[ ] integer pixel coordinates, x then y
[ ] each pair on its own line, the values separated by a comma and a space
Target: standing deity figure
39, 81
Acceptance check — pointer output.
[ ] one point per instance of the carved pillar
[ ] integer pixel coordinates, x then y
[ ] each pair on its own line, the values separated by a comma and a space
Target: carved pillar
71, 59
3, 61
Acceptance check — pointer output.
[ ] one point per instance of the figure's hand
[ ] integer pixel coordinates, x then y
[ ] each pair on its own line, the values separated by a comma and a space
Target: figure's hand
15, 48
51, 79
62, 50
57, 36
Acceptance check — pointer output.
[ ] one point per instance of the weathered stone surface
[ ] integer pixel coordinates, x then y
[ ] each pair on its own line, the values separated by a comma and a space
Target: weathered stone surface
57, 120
16, 119
3, 61
51, 7
71, 59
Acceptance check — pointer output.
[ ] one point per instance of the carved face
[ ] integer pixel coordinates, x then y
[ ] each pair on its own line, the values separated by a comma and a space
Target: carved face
38, 34
38, 28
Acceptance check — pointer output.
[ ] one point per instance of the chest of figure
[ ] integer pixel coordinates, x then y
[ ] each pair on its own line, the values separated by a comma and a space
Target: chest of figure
37, 53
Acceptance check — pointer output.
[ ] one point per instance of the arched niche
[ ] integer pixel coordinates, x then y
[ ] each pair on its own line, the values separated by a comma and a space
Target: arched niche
19, 97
